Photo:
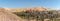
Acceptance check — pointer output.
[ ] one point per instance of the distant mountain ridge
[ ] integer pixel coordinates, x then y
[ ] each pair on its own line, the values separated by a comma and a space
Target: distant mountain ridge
24, 9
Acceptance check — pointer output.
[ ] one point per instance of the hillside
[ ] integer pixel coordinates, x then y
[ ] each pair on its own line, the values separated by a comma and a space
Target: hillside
8, 16
39, 13
24, 9
28, 12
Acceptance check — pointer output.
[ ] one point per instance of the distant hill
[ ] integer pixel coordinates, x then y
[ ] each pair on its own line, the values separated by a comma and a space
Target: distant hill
24, 9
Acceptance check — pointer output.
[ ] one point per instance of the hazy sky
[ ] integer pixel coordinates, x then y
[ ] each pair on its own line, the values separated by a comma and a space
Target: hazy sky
30, 3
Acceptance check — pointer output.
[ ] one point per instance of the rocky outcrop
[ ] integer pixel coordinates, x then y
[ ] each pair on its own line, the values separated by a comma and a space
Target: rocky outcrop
8, 16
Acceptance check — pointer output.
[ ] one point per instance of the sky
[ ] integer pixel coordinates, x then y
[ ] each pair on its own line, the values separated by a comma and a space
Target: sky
30, 3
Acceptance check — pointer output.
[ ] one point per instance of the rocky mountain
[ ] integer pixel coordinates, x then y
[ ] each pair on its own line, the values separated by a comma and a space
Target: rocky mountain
24, 9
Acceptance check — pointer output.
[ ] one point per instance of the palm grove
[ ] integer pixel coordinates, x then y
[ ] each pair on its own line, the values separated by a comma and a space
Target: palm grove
38, 15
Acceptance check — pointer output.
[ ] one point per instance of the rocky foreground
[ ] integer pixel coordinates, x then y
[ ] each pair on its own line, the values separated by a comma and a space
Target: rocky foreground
8, 16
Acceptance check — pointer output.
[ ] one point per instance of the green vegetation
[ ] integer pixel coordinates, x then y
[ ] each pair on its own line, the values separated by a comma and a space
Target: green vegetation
38, 15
